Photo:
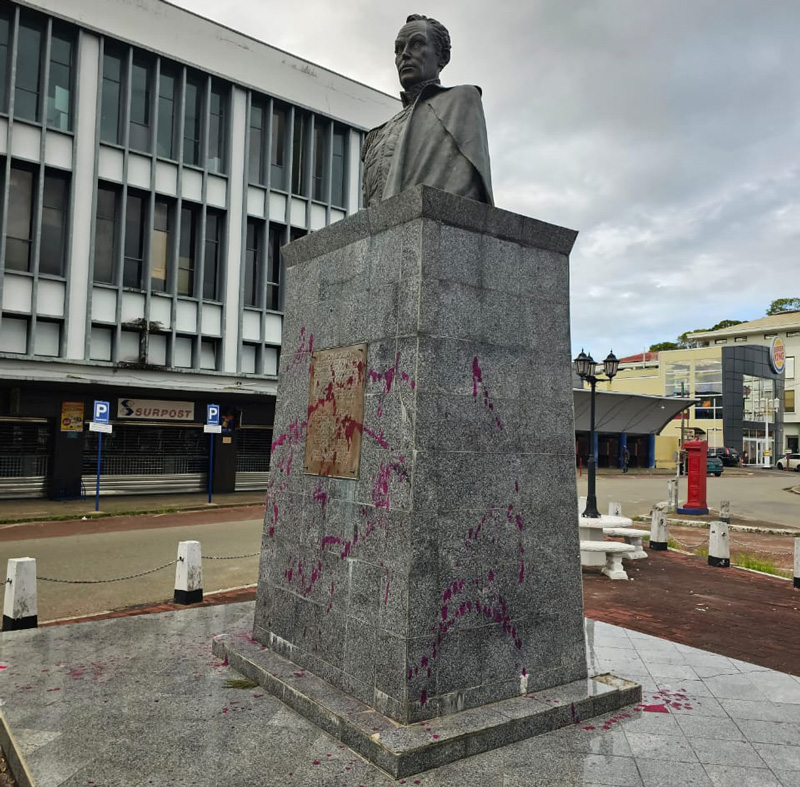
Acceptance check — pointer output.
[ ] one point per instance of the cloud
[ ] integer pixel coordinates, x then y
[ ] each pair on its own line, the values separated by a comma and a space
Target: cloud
665, 131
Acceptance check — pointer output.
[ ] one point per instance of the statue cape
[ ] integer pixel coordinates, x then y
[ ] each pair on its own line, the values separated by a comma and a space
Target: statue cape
446, 129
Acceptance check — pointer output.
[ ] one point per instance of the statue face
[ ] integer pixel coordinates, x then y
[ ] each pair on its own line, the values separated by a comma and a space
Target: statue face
415, 54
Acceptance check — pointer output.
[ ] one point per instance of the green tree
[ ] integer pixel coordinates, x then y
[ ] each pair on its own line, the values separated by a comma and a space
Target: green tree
783, 305
657, 348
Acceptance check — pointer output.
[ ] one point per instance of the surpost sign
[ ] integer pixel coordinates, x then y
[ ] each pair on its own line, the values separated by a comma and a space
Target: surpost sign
777, 355
154, 410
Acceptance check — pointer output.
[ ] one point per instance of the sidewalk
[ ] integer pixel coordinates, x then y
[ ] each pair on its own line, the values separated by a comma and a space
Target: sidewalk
39, 509
142, 701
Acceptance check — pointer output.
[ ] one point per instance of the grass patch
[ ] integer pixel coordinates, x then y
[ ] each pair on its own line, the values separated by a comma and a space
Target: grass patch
240, 683
748, 560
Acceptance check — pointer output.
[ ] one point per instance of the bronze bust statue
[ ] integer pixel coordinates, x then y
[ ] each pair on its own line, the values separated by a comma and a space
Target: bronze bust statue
439, 137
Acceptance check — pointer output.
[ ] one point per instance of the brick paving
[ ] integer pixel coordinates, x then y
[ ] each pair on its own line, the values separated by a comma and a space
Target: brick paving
735, 613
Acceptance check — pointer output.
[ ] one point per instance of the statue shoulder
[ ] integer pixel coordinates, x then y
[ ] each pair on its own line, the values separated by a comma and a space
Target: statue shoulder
461, 98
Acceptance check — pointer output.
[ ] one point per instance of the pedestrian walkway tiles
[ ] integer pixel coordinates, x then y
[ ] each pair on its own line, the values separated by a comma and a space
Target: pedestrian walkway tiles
142, 701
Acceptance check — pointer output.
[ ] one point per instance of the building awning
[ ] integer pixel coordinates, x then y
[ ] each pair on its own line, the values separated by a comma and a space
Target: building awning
624, 412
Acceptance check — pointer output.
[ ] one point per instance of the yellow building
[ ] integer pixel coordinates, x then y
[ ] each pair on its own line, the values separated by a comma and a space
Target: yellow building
734, 388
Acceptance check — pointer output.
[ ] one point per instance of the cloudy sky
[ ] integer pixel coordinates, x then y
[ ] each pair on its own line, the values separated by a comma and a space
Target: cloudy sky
666, 131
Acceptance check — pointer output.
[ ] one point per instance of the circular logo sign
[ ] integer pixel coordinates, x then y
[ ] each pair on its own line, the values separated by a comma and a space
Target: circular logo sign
777, 355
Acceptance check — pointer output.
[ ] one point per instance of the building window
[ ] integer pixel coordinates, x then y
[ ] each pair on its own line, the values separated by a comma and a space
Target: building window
276, 235
792, 333
167, 82
28, 76
216, 130
19, 230
770, 335
187, 254
47, 338
5, 37
740, 339
59, 89
54, 224
300, 153
253, 263
139, 125
105, 243
338, 164
278, 149
789, 373
134, 241
788, 400
720, 341
255, 161
319, 178
160, 246
676, 379
191, 121
112, 92
211, 261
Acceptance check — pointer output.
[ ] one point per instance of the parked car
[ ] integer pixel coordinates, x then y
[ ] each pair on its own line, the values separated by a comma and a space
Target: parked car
789, 462
729, 456
714, 465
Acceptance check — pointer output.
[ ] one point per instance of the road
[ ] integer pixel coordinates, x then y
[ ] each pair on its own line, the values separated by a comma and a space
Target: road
760, 495
119, 546
101, 555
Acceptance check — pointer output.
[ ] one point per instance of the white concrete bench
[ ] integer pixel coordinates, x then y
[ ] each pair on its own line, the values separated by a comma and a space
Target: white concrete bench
591, 529
613, 551
631, 536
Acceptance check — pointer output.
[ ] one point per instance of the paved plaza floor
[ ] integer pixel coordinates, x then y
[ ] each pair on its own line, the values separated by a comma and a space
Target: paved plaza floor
142, 701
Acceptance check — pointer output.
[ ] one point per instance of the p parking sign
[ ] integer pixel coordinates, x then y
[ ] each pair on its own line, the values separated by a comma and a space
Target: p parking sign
212, 415
101, 412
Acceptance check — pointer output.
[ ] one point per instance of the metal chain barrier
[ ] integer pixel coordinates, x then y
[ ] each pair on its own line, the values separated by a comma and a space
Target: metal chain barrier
688, 546
229, 557
102, 581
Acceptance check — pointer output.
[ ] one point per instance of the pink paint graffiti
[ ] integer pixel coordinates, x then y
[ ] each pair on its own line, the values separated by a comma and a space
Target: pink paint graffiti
477, 378
301, 350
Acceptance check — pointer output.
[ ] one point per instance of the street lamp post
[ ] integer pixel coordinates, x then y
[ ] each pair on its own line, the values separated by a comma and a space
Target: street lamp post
585, 366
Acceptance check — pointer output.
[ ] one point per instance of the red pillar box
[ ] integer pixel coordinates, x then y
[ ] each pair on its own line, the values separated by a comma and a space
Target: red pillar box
696, 453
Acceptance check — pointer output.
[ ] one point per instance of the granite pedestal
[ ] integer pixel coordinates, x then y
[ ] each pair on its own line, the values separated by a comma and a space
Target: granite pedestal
443, 572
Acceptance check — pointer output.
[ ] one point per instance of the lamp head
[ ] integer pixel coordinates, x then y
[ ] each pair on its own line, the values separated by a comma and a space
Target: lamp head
611, 365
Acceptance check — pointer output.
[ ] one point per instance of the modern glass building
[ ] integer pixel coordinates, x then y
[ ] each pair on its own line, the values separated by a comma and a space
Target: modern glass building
152, 164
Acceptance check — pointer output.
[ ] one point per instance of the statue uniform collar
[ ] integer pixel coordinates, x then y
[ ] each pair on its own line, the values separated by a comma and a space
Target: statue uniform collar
408, 97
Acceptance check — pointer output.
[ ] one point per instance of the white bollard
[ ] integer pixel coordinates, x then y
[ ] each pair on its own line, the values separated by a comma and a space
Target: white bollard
615, 509
658, 530
725, 511
19, 603
581, 505
189, 573
672, 495
797, 562
719, 548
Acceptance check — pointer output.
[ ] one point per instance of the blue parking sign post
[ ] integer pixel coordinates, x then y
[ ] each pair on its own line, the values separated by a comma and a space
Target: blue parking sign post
212, 427
100, 425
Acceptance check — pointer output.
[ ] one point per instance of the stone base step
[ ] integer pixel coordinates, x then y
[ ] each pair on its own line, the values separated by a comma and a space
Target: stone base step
403, 750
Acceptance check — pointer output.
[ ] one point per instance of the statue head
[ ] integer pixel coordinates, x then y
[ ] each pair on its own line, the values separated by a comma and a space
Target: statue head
421, 50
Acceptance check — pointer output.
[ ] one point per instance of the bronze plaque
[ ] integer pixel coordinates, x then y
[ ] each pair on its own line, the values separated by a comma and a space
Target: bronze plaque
336, 411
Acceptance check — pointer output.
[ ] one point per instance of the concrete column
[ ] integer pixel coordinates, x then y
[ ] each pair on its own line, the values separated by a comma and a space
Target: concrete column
725, 511
658, 530
615, 509
189, 573
672, 495
719, 548
19, 603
